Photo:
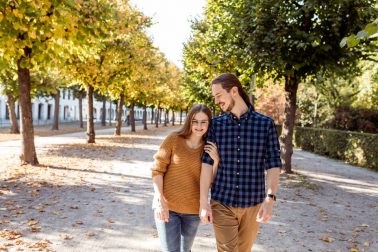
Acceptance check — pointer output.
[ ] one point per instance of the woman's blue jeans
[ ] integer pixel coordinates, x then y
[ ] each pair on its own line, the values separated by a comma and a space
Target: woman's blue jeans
177, 235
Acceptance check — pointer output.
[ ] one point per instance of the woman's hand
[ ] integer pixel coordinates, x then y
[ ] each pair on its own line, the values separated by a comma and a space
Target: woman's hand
161, 208
212, 150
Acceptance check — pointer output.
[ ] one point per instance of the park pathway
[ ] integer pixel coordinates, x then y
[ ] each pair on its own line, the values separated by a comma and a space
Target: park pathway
98, 197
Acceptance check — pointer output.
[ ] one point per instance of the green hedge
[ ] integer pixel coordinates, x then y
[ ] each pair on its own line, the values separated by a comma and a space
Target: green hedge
355, 148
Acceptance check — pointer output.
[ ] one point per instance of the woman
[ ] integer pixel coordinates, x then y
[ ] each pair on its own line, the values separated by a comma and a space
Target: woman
176, 180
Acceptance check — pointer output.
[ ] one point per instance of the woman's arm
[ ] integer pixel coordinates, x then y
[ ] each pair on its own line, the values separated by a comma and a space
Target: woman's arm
160, 204
160, 167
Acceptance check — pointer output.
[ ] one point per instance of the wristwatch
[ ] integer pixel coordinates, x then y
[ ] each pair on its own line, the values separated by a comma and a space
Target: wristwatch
272, 196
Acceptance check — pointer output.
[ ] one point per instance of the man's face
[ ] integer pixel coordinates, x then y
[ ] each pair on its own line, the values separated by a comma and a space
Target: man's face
223, 98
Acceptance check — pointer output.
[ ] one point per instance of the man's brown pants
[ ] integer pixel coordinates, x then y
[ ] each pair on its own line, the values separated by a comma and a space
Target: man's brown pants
235, 228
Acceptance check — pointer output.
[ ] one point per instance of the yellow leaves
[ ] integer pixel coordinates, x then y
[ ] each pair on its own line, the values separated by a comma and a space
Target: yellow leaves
8, 202
40, 245
17, 13
34, 193
57, 213
32, 223
65, 237
32, 34
327, 239
10, 234
366, 244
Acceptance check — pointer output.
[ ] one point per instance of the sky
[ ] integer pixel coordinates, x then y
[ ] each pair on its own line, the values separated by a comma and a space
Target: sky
171, 20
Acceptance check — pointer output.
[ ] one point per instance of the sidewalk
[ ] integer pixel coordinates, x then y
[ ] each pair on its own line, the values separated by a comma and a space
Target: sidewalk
97, 198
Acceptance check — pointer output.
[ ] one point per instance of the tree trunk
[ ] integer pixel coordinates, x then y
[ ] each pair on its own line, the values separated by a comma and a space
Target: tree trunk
152, 114
173, 117
291, 86
145, 117
55, 125
90, 125
103, 116
28, 153
81, 110
132, 117
110, 113
166, 119
116, 109
160, 116
119, 115
180, 116
157, 116
12, 114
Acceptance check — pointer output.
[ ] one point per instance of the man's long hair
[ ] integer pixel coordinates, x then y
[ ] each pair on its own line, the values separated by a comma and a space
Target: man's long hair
228, 81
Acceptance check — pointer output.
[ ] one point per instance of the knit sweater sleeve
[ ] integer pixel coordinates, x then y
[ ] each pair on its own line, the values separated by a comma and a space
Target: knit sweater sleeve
162, 158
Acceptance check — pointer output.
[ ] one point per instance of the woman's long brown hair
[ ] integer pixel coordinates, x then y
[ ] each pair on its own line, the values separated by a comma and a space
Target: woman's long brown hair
186, 129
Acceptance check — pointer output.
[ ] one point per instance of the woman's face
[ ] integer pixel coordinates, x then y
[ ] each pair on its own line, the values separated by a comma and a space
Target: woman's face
200, 124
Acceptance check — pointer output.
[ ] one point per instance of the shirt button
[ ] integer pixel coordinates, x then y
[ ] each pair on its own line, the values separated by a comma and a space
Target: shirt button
238, 161
237, 186
239, 124
237, 173
238, 136
238, 149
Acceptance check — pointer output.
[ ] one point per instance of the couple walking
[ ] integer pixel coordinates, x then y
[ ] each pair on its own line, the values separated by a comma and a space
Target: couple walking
228, 155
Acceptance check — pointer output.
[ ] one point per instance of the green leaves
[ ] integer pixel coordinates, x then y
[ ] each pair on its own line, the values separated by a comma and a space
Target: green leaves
370, 31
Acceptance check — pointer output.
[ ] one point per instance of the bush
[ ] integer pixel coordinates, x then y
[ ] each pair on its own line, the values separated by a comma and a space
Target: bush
354, 148
355, 119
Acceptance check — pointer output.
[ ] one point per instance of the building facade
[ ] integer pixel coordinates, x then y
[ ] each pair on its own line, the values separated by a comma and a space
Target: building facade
43, 110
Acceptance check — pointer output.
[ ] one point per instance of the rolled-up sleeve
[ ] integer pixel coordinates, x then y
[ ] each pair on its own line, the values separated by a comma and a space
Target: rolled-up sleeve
273, 158
162, 158
209, 138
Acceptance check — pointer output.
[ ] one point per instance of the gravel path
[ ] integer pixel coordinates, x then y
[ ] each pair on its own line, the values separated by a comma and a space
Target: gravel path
98, 197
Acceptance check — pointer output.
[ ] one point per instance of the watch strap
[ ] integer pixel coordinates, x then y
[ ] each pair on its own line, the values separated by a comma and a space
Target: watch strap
272, 196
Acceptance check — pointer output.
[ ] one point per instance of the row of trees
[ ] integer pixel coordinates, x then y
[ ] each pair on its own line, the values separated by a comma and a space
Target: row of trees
292, 41
97, 46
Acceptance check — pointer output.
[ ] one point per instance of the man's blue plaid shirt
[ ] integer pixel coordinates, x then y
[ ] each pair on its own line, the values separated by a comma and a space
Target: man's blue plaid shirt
246, 146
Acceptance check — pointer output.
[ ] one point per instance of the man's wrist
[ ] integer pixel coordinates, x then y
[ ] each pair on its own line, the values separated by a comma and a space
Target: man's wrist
271, 196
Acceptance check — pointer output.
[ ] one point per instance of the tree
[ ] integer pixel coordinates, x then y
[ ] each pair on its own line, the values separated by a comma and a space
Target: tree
288, 40
10, 89
40, 33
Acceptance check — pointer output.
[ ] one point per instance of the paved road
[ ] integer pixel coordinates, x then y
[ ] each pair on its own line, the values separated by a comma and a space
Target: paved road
329, 206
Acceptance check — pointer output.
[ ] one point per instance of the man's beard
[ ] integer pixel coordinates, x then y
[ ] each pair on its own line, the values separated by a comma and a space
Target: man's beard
231, 106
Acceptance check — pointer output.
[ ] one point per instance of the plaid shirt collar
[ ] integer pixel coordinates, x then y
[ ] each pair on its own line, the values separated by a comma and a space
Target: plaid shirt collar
246, 115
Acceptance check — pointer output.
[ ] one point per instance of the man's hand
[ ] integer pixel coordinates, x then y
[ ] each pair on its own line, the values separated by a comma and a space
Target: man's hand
265, 212
161, 208
206, 214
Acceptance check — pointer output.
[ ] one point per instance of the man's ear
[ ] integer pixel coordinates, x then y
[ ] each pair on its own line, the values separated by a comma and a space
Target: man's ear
234, 91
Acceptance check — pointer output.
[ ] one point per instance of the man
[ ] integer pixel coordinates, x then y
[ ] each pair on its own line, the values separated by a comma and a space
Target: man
248, 146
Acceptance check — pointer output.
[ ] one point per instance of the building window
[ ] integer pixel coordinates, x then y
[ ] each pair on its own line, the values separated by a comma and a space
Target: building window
64, 94
69, 94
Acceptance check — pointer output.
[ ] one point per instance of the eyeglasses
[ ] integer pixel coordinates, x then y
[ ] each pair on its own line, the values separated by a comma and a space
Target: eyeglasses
196, 122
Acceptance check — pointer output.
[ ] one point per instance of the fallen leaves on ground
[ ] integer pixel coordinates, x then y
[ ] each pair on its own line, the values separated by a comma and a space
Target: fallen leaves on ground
90, 234
327, 238
10, 234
